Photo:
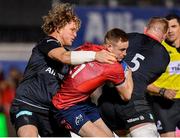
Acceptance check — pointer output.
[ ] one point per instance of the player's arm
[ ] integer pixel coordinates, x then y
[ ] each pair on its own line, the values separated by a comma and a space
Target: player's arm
167, 93
79, 57
126, 88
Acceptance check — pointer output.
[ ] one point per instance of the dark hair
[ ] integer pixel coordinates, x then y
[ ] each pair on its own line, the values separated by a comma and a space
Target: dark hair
173, 16
115, 35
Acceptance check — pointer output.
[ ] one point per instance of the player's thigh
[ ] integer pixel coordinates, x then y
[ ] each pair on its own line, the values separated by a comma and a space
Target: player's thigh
108, 115
27, 131
57, 130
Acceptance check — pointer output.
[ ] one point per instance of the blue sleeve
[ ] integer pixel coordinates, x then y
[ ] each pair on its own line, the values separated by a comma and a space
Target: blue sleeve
125, 65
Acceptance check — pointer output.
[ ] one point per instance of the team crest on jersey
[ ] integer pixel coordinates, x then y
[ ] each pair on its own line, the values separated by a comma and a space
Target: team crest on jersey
78, 119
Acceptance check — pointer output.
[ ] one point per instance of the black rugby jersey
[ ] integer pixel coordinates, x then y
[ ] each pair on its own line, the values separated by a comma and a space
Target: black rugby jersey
42, 75
148, 59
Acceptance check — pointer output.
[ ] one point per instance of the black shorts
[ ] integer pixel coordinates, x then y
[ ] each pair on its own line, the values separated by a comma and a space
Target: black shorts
167, 113
118, 114
117, 119
23, 114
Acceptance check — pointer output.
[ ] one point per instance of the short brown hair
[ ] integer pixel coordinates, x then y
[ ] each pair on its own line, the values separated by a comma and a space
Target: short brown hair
58, 17
159, 23
115, 35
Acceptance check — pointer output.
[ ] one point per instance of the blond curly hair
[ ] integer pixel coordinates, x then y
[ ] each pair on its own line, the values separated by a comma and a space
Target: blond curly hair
58, 17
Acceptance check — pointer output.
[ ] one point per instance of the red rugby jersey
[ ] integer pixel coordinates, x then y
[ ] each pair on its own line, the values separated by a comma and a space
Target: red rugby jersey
83, 79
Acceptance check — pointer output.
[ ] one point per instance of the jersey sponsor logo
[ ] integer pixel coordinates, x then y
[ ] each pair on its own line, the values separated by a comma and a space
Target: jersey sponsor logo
141, 117
78, 119
174, 67
52, 71
23, 113
159, 125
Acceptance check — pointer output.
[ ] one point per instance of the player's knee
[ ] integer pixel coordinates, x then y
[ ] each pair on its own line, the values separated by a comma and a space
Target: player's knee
149, 130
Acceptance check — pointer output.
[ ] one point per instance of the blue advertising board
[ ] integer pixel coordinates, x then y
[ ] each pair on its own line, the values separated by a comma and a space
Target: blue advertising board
97, 20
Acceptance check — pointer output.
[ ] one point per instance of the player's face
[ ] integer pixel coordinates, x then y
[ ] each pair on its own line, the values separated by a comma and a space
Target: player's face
68, 33
119, 50
173, 31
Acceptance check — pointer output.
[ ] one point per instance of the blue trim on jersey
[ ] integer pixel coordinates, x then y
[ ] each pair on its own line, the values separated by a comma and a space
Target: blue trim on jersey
124, 64
23, 113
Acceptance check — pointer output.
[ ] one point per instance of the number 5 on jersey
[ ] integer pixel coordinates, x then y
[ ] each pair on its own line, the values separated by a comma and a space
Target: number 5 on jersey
136, 61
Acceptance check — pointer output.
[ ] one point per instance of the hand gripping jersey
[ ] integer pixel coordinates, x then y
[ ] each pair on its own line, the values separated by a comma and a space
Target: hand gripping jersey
85, 78
170, 79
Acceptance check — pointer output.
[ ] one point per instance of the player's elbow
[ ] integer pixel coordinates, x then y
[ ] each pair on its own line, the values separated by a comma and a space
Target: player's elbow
125, 92
126, 97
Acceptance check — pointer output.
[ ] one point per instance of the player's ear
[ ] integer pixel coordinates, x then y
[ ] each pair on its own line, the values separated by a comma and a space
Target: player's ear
109, 47
145, 30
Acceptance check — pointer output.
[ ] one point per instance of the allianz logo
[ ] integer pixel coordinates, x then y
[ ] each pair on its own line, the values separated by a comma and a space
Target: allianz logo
53, 72
50, 71
135, 119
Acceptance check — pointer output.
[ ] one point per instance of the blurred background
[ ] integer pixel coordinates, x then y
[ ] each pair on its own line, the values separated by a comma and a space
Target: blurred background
20, 29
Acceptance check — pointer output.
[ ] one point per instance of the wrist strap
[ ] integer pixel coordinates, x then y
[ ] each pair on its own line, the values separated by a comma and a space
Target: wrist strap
80, 57
162, 91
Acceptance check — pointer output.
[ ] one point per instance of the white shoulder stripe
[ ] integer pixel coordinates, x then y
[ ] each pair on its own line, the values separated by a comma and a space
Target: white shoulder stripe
32, 104
50, 40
